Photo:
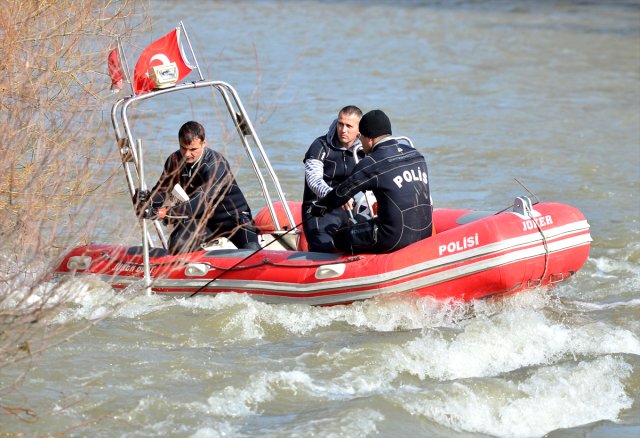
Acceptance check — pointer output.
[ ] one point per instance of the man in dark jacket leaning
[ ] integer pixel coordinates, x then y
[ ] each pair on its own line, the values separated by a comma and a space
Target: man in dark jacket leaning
396, 173
216, 207
329, 161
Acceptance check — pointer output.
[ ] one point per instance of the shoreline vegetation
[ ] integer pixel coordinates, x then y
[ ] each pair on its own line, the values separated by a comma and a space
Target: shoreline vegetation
53, 87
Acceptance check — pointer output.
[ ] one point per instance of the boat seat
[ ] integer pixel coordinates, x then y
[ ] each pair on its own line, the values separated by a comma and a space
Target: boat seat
473, 216
230, 253
153, 251
314, 256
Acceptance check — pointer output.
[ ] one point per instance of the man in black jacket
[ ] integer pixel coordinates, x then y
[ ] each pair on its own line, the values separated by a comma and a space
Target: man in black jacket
328, 161
216, 207
396, 173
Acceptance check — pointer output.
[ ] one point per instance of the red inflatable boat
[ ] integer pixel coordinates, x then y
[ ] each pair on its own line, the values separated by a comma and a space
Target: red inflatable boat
472, 255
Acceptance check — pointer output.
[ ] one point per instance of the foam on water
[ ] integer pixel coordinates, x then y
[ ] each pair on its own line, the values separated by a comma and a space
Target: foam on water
606, 267
246, 319
464, 376
160, 414
360, 422
518, 366
90, 299
589, 306
487, 347
552, 397
547, 398
609, 282
262, 387
510, 341
221, 430
226, 412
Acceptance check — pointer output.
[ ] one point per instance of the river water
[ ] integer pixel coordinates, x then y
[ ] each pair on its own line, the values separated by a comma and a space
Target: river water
547, 92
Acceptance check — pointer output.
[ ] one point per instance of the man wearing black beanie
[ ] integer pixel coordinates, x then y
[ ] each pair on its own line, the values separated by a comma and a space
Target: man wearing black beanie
397, 175
375, 124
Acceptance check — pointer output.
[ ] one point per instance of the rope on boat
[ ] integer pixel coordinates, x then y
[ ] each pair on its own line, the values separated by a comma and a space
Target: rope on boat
180, 262
265, 262
544, 243
537, 201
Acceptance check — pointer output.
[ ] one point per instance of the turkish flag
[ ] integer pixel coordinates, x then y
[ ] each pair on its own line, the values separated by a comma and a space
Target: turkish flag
115, 70
163, 51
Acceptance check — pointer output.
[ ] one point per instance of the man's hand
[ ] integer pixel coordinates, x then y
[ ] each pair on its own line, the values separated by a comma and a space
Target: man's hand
144, 208
140, 198
317, 210
154, 213
348, 206
142, 202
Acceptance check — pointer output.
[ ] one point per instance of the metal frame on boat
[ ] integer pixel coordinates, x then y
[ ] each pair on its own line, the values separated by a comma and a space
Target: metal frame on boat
132, 160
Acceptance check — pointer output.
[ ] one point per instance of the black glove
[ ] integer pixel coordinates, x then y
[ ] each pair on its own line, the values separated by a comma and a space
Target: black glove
150, 213
141, 198
143, 204
317, 210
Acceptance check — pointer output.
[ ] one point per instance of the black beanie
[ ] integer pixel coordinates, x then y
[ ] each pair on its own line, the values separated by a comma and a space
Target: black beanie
374, 124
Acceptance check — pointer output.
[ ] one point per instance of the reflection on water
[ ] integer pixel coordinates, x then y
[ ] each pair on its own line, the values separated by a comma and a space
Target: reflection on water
546, 92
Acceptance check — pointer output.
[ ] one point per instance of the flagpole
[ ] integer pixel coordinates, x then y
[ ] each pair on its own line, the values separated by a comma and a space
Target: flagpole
191, 49
125, 67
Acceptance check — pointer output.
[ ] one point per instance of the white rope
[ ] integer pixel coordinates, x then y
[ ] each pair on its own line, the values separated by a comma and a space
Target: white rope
544, 243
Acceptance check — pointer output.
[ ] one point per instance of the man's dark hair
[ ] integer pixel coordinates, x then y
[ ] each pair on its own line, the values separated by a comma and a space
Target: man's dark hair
189, 132
350, 110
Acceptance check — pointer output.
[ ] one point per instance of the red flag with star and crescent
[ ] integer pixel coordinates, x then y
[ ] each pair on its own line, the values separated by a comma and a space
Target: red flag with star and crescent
162, 51
115, 70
